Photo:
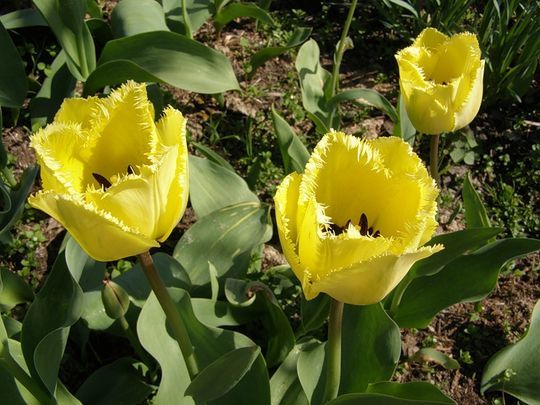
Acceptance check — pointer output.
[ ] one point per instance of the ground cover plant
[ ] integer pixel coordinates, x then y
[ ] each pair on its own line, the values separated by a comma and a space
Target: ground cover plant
265, 203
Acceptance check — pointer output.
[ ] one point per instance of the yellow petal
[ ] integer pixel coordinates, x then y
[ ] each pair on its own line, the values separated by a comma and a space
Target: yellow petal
171, 130
368, 282
58, 149
472, 99
102, 236
430, 38
124, 132
78, 110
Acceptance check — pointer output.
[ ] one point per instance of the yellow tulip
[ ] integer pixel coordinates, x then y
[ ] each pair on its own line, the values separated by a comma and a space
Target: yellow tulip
441, 80
113, 177
352, 224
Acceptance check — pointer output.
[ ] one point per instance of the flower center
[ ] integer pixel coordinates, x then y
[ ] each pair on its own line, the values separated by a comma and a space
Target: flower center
363, 227
105, 182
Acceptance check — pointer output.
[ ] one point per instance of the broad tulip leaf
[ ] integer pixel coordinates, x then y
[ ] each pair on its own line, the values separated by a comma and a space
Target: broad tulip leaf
419, 391
66, 20
314, 312
17, 199
237, 10
57, 86
120, 382
404, 127
293, 152
241, 227
222, 375
131, 17
213, 156
198, 12
311, 368
57, 306
135, 283
212, 187
298, 37
209, 343
468, 278
13, 290
260, 299
378, 399
514, 369
220, 313
314, 82
168, 58
27, 17
285, 387
13, 82
369, 97
369, 338
13, 327
455, 244
430, 354
475, 212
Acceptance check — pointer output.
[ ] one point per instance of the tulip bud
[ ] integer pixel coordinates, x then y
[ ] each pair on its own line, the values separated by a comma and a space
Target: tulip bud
115, 299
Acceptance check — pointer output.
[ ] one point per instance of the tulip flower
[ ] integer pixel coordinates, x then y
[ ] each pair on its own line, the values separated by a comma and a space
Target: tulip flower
113, 177
441, 80
352, 224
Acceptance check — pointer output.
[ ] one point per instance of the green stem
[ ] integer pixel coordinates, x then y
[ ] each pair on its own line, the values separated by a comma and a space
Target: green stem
134, 341
341, 48
434, 157
8, 176
337, 60
30, 384
333, 351
187, 23
171, 312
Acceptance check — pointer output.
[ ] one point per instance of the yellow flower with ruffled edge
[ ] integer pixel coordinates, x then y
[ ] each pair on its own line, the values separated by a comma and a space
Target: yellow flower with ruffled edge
352, 224
114, 178
441, 80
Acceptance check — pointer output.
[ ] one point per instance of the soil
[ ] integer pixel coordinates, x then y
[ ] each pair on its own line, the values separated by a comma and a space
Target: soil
503, 316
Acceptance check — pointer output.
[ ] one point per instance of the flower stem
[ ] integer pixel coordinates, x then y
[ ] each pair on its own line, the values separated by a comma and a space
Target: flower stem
171, 312
134, 341
333, 350
341, 48
187, 22
434, 157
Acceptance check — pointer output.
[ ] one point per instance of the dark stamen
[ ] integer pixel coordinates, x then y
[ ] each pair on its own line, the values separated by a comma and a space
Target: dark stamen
338, 230
370, 230
347, 224
363, 224
130, 170
377, 234
102, 180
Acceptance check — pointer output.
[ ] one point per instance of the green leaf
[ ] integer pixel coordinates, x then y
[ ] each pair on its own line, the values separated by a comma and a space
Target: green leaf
475, 212
167, 58
17, 198
404, 127
66, 20
120, 382
237, 10
378, 399
198, 12
369, 97
212, 187
514, 369
241, 227
57, 86
131, 17
298, 37
311, 368
468, 278
314, 313
455, 244
293, 152
428, 354
372, 343
222, 375
285, 387
313, 82
27, 17
419, 391
13, 327
262, 302
57, 306
220, 313
213, 156
209, 343
135, 283
13, 83
13, 290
